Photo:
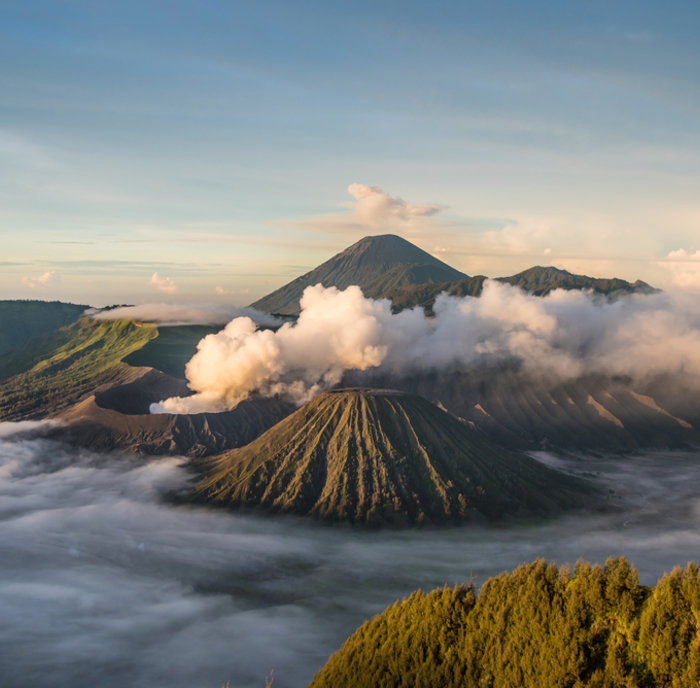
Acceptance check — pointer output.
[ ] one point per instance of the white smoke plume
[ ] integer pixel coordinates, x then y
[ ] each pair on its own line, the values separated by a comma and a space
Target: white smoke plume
562, 335
185, 314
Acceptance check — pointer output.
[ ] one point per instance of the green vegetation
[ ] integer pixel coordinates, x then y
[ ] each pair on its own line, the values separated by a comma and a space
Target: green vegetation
21, 321
62, 367
171, 349
537, 627
376, 457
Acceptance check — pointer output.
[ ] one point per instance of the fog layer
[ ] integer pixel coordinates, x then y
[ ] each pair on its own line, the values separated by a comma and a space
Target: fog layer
103, 583
166, 314
561, 336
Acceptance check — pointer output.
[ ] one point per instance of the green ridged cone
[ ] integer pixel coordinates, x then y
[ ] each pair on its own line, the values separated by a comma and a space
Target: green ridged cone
384, 457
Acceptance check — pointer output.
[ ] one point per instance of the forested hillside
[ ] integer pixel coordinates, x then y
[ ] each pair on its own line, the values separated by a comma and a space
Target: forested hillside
538, 627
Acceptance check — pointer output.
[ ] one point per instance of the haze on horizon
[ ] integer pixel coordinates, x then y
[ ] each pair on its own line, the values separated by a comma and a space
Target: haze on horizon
212, 153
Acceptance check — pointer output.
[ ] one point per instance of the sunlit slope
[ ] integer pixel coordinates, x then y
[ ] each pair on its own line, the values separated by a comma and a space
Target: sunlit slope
537, 627
375, 263
61, 368
373, 457
22, 321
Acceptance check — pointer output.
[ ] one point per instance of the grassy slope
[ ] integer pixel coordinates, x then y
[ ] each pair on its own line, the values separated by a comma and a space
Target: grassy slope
66, 365
384, 458
21, 321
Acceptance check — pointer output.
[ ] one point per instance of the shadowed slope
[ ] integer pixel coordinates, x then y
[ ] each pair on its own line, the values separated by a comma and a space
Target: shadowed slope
374, 457
375, 263
23, 320
590, 413
539, 281
117, 417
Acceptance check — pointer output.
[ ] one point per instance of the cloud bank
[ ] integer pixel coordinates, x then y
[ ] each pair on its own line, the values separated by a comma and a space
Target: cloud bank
186, 314
685, 268
562, 335
103, 583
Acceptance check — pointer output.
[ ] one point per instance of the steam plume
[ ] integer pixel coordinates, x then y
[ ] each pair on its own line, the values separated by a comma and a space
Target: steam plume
562, 335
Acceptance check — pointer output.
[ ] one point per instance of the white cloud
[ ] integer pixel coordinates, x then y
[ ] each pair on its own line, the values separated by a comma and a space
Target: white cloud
163, 283
562, 336
185, 314
234, 292
684, 267
373, 211
376, 207
46, 279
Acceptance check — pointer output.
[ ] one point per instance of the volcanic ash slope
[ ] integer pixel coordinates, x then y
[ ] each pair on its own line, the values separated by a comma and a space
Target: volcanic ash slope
384, 457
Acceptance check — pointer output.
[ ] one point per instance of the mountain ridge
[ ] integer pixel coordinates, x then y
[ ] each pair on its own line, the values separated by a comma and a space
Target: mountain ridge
387, 266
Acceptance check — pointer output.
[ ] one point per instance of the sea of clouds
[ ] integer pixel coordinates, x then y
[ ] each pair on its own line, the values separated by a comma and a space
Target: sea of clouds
105, 582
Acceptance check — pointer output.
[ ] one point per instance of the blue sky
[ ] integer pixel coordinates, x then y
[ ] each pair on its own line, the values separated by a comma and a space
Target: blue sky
214, 143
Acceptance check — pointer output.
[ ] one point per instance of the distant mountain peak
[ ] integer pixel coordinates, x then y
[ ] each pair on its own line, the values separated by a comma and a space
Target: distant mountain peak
374, 263
388, 266
541, 280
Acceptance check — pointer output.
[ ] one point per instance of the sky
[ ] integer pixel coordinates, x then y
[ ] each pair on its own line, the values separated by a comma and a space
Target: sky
211, 151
